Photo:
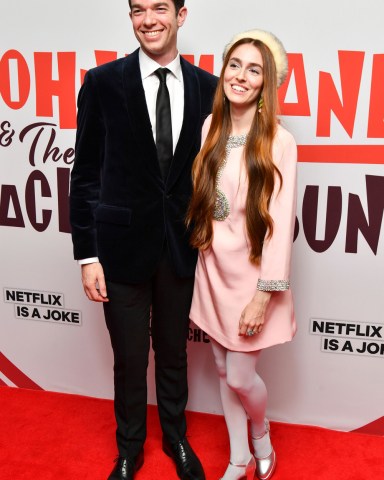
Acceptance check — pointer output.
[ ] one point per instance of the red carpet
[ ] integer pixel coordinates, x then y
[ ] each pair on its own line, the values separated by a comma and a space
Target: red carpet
46, 435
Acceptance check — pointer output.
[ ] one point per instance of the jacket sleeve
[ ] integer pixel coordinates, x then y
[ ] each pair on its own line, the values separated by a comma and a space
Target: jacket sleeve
276, 254
205, 129
85, 176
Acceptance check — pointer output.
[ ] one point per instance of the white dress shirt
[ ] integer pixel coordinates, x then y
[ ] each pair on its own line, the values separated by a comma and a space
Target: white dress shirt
151, 83
175, 86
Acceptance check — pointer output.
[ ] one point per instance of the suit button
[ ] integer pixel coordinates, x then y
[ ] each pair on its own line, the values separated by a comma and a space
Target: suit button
168, 196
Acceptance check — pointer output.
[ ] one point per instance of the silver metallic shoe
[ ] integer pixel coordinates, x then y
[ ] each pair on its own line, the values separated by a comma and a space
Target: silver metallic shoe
265, 466
245, 472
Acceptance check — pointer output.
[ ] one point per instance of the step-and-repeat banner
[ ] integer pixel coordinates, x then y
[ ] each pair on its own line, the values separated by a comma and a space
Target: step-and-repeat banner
52, 338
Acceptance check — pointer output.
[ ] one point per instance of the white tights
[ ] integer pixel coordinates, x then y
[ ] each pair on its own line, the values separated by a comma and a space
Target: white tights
243, 393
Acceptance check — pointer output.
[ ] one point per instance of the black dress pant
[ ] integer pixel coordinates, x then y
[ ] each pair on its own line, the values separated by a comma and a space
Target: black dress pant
127, 317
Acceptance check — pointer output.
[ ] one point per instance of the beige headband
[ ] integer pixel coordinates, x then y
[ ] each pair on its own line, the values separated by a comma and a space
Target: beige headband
273, 43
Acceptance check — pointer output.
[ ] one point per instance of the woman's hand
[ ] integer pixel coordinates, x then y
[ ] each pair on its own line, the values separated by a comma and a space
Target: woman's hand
252, 317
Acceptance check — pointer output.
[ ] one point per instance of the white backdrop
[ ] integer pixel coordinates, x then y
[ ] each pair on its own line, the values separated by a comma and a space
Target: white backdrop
51, 337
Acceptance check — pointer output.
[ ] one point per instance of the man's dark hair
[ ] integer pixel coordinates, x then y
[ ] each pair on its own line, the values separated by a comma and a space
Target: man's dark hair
178, 4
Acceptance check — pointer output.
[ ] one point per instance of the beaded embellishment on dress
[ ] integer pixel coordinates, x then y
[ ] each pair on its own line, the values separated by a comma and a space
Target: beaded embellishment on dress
222, 208
272, 285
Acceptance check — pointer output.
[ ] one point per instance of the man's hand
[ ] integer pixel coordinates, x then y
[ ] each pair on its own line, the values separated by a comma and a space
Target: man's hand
92, 276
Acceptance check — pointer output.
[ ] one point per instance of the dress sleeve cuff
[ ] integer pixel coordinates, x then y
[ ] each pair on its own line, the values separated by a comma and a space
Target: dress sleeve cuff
272, 285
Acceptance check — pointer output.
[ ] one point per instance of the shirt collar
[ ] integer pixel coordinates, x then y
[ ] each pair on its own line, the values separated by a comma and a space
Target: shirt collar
148, 66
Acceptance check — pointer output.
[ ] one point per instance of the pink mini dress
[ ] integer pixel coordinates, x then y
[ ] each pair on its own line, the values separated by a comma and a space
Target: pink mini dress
226, 280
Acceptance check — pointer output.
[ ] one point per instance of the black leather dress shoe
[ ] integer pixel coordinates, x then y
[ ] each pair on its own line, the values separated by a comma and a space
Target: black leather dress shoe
126, 467
188, 466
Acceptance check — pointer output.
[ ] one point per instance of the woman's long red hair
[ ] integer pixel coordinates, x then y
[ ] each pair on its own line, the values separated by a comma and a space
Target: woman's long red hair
260, 169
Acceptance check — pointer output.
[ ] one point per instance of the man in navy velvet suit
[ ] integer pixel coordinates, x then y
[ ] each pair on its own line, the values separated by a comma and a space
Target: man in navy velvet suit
128, 230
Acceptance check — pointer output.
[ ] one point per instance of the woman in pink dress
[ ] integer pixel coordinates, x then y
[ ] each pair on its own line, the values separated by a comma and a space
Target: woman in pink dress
243, 216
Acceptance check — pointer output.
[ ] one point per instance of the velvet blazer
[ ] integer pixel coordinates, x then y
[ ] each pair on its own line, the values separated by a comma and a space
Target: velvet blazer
121, 210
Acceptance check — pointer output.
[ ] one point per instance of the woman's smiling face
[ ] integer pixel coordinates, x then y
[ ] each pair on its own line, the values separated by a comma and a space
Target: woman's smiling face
243, 76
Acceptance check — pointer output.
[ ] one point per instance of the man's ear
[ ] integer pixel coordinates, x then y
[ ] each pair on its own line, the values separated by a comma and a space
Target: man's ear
181, 16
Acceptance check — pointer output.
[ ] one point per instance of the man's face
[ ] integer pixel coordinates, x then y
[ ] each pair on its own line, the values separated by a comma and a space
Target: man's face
155, 25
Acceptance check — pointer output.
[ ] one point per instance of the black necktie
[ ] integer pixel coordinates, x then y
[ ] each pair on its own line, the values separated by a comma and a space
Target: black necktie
164, 142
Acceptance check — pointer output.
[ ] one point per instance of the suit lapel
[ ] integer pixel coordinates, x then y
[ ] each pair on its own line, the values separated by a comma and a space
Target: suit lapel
191, 121
137, 111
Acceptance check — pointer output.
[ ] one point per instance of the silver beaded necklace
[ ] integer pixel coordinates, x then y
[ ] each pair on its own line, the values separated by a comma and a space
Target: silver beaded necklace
222, 208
